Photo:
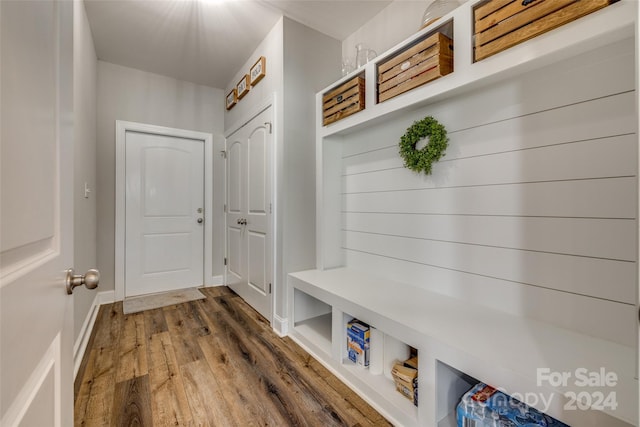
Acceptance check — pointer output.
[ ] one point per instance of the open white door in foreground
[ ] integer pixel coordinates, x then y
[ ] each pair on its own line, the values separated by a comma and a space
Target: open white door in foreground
36, 234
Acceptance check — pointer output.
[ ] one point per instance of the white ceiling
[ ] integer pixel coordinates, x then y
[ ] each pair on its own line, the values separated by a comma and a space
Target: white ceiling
207, 41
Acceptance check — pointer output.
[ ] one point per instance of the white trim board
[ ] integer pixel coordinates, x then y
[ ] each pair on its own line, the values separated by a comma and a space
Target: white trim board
214, 281
122, 127
280, 325
80, 346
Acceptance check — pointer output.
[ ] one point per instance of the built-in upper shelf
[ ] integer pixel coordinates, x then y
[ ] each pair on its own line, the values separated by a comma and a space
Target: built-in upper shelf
613, 23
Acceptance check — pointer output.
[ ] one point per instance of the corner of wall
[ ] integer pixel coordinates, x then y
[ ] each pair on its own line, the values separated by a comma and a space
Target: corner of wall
312, 61
272, 49
399, 20
85, 64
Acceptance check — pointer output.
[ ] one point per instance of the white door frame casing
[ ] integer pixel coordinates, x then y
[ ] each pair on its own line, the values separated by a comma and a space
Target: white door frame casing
122, 127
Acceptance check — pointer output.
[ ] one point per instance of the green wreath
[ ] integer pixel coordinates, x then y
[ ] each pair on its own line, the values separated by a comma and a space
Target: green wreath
421, 160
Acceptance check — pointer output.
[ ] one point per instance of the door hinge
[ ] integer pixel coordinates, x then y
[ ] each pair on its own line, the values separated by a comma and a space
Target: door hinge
223, 153
269, 287
225, 261
224, 208
270, 207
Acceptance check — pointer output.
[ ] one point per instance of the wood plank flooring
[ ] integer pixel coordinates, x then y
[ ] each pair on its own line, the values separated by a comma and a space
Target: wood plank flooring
211, 362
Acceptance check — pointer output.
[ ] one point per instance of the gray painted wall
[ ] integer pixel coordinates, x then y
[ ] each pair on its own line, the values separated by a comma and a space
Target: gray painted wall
84, 146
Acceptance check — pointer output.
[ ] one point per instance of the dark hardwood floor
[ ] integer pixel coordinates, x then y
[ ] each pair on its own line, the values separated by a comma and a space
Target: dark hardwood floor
212, 362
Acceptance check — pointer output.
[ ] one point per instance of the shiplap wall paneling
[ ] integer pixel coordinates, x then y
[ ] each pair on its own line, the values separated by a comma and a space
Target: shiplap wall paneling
534, 208
590, 119
549, 163
594, 198
595, 317
567, 273
587, 77
537, 234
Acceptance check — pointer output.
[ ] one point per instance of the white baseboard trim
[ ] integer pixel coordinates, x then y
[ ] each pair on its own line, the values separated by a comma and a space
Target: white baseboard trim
280, 326
80, 346
214, 281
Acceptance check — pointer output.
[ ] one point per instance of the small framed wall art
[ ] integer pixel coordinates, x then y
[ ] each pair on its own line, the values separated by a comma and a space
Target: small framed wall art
232, 99
243, 86
258, 70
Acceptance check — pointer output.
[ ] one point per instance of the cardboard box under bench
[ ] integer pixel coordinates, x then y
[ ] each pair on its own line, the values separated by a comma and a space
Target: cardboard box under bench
426, 60
501, 24
405, 378
343, 101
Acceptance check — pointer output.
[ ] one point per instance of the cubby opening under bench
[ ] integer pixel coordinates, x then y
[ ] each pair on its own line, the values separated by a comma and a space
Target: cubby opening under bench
459, 344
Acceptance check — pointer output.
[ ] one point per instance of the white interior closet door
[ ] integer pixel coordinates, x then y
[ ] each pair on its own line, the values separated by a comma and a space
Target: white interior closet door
249, 212
164, 226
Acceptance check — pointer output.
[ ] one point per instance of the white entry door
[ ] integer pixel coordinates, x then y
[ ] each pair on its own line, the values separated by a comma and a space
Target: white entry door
36, 210
164, 210
249, 212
